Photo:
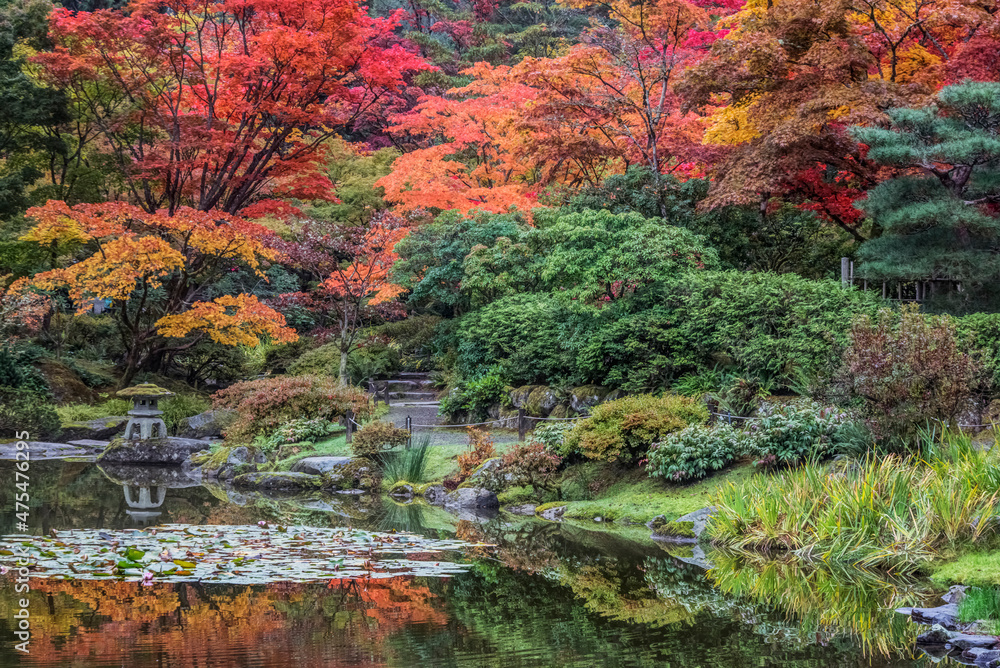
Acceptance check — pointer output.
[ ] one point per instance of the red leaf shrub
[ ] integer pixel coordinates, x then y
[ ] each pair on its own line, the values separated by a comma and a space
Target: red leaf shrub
909, 369
481, 448
525, 464
265, 404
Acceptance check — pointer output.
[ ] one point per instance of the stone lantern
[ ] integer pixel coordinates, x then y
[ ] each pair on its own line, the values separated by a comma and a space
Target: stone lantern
145, 421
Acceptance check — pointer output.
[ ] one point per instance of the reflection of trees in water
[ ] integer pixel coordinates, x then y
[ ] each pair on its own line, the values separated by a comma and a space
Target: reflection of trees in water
192, 624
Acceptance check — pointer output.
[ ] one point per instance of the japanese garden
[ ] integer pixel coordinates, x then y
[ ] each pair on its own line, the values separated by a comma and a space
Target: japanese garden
499, 333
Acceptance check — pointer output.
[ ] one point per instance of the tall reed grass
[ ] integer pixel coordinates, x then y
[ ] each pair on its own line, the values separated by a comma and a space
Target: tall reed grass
405, 465
890, 513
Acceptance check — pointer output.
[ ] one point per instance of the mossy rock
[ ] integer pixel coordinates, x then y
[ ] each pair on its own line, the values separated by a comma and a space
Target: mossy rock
402, 490
585, 397
160, 451
519, 395
359, 473
280, 481
420, 489
562, 411
541, 401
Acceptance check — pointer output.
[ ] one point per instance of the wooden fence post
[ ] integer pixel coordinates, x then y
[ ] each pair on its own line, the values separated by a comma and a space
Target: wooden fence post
349, 422
522, 424
845, 272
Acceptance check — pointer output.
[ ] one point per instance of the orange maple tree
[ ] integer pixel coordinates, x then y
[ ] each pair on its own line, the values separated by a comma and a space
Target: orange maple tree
154, 269
352, 265
608, 103
216, 104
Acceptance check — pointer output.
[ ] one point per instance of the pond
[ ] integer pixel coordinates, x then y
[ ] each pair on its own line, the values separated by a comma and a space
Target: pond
503, 591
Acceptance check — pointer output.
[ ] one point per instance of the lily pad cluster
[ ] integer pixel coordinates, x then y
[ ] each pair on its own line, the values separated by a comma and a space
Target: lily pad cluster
234, 554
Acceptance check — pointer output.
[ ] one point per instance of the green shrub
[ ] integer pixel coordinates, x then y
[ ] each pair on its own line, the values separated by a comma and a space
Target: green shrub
265, 404
552, 434
377, 437
789, 435
25, 411
476, 396
982, 332
181, 406
372, 359
533, 338
299, 431
625, 428
766, 325
696, 451
18, 372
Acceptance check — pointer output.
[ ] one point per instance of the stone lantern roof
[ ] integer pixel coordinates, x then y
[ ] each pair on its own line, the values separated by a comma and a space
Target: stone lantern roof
147, 390
145, 422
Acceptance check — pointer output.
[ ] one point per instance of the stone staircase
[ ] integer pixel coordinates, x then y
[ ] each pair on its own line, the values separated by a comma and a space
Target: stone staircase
411, 394
413, 388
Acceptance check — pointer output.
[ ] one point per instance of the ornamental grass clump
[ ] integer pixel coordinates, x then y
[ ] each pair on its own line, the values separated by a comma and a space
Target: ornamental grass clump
892, 513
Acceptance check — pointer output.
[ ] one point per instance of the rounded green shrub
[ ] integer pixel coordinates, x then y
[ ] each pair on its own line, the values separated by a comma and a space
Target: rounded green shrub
376, 437
696, 451
624, 429
23, 411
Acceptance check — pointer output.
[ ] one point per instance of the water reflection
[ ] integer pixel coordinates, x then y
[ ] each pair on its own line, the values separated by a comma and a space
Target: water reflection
145, 488
546, 595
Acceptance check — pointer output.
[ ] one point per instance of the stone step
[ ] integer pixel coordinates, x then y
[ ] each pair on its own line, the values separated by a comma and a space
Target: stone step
415, 396
414, 374
409, 384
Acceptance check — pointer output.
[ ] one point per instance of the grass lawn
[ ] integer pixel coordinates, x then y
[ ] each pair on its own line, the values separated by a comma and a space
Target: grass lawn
979, 569
639, 498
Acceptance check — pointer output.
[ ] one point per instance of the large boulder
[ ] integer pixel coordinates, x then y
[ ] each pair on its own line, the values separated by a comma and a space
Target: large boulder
585, 397
943, 615
101, 429
541, 401
209, 424
240, 459
470, 498
278, 481
519, 395
168, 451
321, 465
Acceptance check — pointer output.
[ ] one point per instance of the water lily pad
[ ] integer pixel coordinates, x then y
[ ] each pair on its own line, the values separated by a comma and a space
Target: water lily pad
239, 554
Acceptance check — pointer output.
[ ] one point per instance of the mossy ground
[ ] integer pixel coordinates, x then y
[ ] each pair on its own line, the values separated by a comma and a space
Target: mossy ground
637, 498
979, 569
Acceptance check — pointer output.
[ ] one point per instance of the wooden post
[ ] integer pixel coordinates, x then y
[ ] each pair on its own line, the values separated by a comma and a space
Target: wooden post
386, 393
522, 424
845, 272
349, 423
409, 428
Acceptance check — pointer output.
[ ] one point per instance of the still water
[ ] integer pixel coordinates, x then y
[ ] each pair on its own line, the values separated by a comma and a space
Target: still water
545, 594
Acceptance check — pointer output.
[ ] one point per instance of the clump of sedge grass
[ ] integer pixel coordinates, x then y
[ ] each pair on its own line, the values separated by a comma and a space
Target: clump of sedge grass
890, 513
407, 464
981, 605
